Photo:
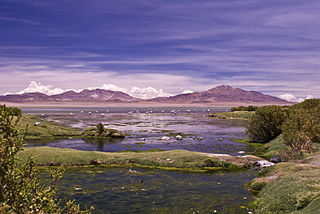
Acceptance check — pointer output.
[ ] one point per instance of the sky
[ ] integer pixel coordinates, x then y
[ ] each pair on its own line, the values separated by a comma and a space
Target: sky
150, 48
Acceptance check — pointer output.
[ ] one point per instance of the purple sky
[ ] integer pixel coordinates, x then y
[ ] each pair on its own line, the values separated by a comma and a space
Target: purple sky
270, 46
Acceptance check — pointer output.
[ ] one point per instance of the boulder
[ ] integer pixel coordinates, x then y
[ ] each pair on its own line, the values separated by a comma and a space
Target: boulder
263, 163
178, 137
165, 138
276, 159
37, 124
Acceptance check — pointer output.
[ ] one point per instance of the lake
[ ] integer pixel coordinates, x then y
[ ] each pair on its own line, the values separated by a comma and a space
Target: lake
144, 130
124, 190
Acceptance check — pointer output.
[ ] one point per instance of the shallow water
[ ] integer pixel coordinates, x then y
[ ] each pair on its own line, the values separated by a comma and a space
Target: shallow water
145, 130
115, 190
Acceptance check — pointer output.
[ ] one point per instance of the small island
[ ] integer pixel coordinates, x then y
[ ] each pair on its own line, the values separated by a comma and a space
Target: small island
101, 132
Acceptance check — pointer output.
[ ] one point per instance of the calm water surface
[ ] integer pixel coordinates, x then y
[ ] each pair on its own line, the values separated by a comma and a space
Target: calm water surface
114, 190
145, 129
152, 191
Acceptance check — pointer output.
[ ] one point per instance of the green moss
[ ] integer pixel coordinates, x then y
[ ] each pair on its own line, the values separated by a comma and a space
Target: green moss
171, 159
276, 146
256, 149
290, 193
257, 185
100, 132
46, 129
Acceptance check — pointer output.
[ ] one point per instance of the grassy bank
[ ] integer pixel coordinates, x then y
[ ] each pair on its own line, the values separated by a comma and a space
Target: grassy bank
46, 129
291, 187
170, 160
240, 115
274, 147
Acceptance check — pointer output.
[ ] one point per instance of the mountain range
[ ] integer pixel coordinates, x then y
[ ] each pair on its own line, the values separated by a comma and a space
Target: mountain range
223, 94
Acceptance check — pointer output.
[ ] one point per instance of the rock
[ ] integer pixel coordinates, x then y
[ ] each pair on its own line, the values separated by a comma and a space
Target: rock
263, 163
143, 139
200, 138
178, 137
241, 152
165, 138
95, 162
37, 124
276, 159
220, 139
117, 135
77, 188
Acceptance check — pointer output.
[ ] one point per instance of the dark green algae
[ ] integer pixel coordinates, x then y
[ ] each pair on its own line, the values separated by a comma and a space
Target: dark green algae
137, 190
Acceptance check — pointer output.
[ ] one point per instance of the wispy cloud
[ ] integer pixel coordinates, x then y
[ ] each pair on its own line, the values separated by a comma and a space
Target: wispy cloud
270, 46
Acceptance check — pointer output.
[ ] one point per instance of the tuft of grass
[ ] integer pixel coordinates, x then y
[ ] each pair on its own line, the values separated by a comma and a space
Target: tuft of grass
276, 146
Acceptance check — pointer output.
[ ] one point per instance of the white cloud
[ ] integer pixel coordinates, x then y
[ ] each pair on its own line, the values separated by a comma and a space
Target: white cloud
292, 98
38, 87
187, 92
144, 93
147, 93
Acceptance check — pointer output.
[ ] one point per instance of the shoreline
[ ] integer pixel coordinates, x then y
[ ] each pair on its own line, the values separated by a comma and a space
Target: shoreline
125, 105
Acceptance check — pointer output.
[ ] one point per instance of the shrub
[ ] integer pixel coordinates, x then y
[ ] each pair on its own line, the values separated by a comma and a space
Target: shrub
244, 108
265, 125
100, 129
308, 104
301, 130
20, 188
257, 185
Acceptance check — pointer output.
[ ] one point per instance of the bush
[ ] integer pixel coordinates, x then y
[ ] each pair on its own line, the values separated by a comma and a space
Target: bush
308, 104
265, 125
301, 131
257, 185
20, 188
100, 129
244, 108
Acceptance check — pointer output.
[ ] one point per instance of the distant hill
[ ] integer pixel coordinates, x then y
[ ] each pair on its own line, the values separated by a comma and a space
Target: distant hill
97, 95
218, 95
222, 94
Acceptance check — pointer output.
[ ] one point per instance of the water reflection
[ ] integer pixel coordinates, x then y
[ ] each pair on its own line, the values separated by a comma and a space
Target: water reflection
216, 135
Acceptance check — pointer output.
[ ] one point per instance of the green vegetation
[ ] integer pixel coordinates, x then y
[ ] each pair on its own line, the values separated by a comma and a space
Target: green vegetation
245, 108
266, 123
40, 128
288, 188
240, 115
256, 149
299, 125
100, 132
294, 186
275, 147
301, 131
20, 188
169, 160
